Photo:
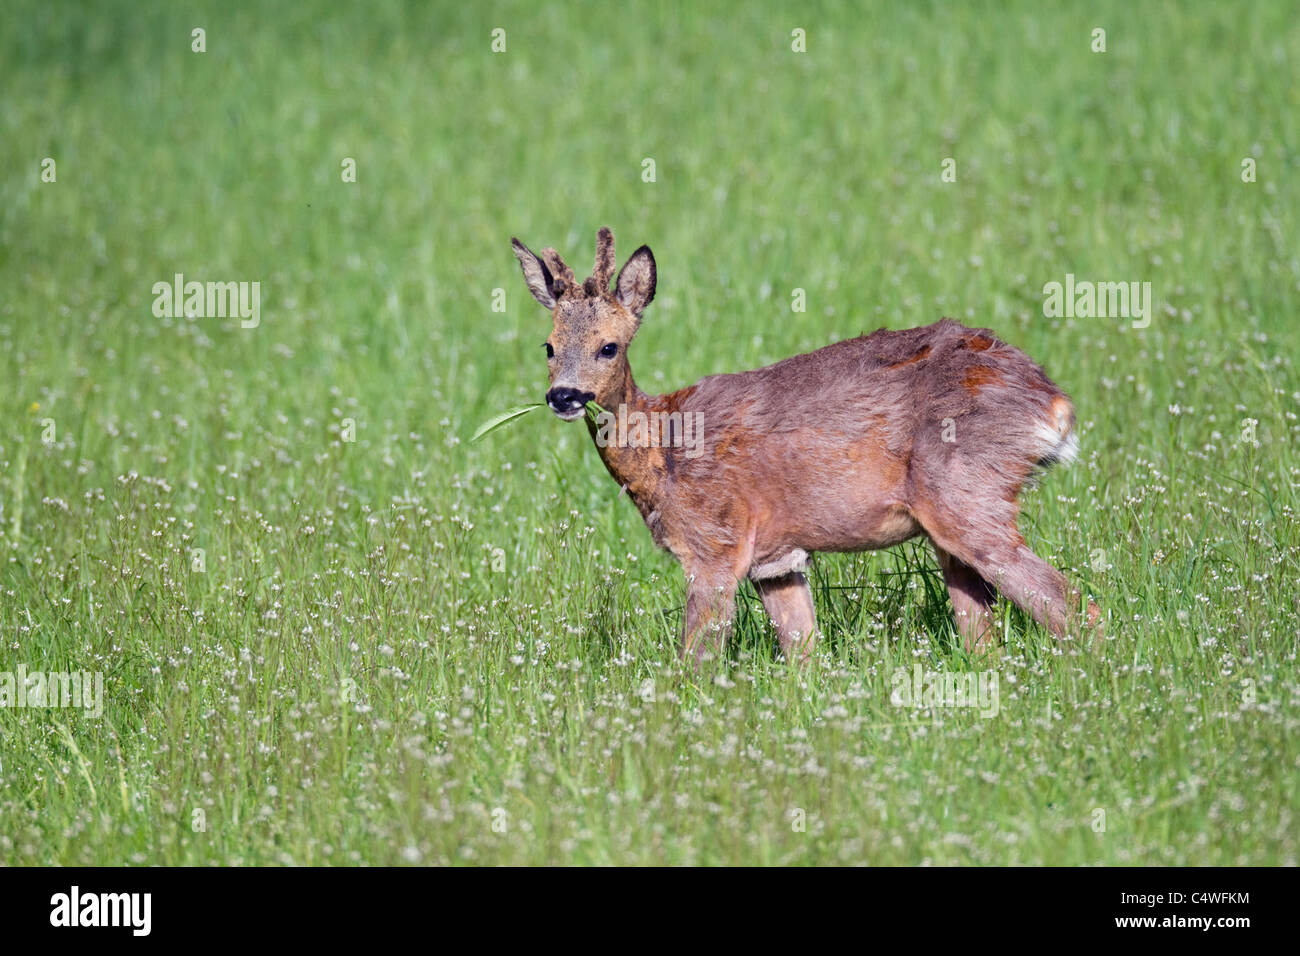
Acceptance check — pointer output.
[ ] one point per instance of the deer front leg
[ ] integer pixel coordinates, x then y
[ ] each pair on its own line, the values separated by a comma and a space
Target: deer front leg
712, 574
710, 606
788, 602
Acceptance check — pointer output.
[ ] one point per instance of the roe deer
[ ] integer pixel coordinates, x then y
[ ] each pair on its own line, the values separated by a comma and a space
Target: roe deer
859, 445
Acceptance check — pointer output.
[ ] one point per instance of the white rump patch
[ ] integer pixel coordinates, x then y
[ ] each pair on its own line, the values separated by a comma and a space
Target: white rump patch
1057, 447
795, 560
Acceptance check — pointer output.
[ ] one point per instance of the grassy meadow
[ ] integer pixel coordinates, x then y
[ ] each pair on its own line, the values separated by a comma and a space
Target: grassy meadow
332, 630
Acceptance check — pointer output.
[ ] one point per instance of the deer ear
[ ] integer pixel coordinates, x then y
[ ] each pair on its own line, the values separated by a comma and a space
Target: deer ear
538, 277
635, 288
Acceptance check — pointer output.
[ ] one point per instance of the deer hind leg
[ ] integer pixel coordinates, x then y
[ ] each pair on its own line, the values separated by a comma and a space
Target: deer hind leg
972, 601
1033, 584
788, 602
1030, 582
992, 547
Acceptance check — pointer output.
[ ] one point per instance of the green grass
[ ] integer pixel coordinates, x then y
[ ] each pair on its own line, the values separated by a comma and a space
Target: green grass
408, 648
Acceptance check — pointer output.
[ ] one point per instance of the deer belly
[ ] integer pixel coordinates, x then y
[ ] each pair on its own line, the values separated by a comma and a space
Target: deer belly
863, 528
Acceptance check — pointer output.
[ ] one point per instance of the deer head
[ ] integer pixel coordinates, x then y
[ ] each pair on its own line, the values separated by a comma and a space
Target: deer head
586, 354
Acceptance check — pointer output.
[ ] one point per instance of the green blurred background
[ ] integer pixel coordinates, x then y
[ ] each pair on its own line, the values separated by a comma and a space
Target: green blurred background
396, 635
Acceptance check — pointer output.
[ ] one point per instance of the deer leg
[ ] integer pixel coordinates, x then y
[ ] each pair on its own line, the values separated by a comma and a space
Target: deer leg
996, 552
1033, 584
788, 602
972, 598
710, 606
1051, 599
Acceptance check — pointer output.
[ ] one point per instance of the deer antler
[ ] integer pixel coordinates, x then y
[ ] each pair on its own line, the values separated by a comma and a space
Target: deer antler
565, 280
603, 271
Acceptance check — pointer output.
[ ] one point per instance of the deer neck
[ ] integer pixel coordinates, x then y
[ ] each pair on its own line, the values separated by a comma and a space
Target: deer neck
638, 470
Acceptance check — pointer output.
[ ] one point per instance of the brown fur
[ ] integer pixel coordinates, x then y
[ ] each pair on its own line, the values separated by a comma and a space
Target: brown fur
858, 445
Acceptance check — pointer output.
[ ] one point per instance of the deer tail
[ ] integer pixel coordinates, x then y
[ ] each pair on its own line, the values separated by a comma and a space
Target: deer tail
1059, 439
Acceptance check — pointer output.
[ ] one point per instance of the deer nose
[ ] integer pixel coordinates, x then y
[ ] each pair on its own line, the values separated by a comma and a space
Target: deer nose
564, 400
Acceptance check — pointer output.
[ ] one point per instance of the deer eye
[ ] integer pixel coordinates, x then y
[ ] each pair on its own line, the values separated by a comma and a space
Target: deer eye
608, 350
550, 352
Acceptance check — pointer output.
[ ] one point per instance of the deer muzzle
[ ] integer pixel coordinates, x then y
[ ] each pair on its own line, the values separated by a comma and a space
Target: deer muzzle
568, 403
